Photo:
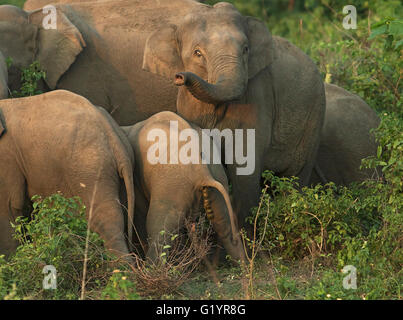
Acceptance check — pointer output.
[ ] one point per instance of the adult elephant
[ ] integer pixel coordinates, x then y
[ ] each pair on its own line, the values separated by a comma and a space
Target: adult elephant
99, 54
346, 139
3, 78
235, 75
59, 141
232, 74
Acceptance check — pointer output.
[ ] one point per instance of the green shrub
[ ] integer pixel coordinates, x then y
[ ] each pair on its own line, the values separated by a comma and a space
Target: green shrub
360, 225
312, 221
56, 235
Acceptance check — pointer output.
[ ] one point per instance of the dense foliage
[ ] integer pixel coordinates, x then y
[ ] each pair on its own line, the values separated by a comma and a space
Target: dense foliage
56, 235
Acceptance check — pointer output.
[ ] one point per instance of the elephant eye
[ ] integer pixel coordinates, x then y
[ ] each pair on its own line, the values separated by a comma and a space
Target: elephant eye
198, 53
246, 50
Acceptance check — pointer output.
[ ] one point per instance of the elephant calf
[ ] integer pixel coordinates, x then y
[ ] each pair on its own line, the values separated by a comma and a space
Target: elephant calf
3, 78
345, 138
59, 141
172, 182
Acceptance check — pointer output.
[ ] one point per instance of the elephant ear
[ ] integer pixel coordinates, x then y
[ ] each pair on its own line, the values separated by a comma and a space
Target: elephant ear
261, 47
161, 54
56, 48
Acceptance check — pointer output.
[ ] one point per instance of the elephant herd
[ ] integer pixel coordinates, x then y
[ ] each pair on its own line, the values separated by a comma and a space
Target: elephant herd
119, 72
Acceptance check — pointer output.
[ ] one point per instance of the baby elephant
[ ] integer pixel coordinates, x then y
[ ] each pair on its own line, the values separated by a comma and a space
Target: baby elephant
59, 141
172, 180
3, 78
346, 138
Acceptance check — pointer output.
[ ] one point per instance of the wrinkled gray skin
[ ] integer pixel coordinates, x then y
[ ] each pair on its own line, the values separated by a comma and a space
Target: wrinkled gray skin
346, 139
66, 145
168, 193
3, 78
232, 74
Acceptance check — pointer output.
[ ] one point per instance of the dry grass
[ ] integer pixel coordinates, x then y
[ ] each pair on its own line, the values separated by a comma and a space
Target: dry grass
178, 263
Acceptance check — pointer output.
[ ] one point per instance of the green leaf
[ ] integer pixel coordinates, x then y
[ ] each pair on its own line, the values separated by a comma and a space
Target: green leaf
398, 44
396, 28
379, 30
379, 152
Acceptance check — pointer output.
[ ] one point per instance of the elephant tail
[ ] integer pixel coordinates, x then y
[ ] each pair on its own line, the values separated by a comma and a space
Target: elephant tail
125, 163
220, 188
127, 175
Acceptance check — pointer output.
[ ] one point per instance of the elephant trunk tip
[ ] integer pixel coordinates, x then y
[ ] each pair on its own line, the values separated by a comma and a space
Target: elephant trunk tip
180, 79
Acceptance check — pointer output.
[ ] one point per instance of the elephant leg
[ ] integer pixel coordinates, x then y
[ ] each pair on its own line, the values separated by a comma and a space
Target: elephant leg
107, 219
317, 172
246, 191
12, 204
161, 216
139, 240
305, 174
246, 188
8, 244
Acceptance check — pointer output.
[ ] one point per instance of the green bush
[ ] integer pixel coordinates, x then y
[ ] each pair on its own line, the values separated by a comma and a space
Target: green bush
56, 235
314, 221
360, 225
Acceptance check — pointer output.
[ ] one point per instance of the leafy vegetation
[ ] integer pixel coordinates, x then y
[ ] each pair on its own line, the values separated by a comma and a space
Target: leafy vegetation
304, 238
30, 78
56, 235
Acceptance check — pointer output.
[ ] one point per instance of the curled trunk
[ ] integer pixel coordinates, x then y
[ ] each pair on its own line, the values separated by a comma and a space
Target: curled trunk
227, 89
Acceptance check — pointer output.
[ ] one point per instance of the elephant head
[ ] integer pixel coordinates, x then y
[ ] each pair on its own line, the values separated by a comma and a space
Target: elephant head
3, 77
175, 190
212, 51
27, 36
